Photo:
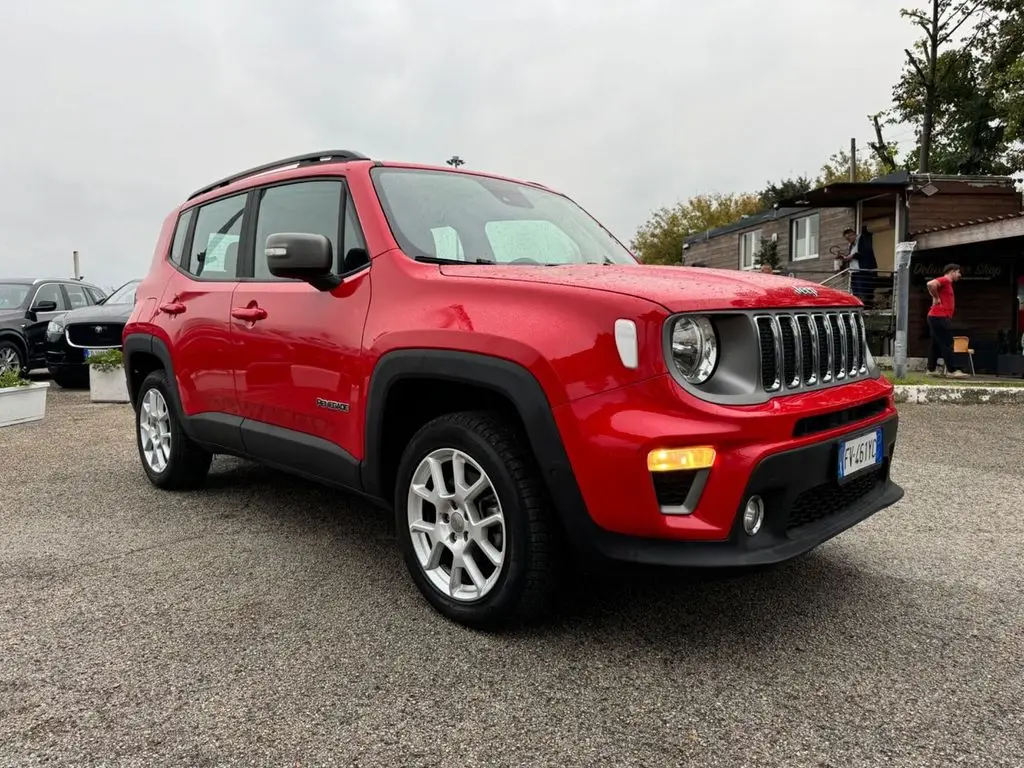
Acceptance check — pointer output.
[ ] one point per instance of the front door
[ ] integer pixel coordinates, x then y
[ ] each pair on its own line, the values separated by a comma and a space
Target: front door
36, 320
297, 350
195, 312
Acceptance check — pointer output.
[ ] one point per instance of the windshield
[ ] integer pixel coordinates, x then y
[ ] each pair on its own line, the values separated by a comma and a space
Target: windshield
461, 217
123, 295
13, 295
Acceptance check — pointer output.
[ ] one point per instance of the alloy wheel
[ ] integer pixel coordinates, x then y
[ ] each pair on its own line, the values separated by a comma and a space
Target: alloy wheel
155, 430
457, 525
9, 360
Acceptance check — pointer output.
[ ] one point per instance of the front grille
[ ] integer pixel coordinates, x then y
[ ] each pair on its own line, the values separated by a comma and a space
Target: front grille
831, 499
799, 350
95, 335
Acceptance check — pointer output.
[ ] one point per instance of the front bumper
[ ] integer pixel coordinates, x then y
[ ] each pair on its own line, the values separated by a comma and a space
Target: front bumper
762, 451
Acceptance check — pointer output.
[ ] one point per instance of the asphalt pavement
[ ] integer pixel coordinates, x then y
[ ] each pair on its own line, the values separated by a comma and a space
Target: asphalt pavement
268, 621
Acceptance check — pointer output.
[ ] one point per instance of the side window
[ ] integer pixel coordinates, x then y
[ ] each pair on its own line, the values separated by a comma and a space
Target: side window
94, 294
50, 292
77, 295
354, 253
180, 233
310, 207
214, 252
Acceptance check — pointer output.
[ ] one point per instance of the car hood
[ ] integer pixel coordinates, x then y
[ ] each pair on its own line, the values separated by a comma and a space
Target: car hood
99, 314
677, 289
8, 316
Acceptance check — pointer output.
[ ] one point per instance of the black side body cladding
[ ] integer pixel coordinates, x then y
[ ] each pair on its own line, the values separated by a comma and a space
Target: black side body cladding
508, 379
295, 452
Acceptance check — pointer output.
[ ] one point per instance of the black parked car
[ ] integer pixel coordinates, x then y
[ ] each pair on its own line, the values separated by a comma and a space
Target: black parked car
26, 307
70, 335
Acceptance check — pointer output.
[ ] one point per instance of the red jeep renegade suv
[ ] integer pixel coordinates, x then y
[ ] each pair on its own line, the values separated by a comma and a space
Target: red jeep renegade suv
484, 357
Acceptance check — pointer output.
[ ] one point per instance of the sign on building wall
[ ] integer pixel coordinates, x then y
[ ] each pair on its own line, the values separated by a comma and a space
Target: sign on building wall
923, 271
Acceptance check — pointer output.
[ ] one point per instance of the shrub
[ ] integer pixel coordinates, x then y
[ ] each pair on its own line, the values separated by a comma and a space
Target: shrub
107, 360
10, 379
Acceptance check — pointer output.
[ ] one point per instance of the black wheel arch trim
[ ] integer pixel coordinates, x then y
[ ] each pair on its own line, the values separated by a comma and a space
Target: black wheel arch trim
506, 378
16, 336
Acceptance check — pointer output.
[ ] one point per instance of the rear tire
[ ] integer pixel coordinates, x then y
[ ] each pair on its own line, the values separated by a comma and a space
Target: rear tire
496, 511
170, 459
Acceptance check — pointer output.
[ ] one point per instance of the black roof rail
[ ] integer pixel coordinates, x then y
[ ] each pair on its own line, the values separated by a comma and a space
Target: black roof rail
309, 158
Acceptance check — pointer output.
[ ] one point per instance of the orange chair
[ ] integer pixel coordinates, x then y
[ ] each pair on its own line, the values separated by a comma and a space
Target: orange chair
962, 346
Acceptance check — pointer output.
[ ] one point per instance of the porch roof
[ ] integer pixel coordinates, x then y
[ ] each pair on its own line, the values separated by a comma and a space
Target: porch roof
974, 231
846, 194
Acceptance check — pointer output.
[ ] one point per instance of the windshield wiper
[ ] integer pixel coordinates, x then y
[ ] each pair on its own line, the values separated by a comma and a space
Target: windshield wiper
439, 260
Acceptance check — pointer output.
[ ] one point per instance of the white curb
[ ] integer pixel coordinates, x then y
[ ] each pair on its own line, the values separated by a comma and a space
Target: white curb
924, 394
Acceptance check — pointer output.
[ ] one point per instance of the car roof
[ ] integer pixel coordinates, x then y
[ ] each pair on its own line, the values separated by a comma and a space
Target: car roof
299, 166
37, 280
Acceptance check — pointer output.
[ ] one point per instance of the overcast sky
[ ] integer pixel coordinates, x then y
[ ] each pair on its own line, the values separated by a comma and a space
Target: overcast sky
113, 111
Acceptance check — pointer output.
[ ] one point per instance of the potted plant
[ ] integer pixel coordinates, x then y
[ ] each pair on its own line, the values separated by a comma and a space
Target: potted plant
107, 382
21, 400
768, 254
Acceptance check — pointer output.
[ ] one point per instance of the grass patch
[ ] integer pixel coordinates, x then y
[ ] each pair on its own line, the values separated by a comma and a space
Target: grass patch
919, 379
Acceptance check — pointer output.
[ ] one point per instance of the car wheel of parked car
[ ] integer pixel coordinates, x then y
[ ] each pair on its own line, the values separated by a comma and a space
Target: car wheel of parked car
10, 357
474, 523
171, 459
71, 381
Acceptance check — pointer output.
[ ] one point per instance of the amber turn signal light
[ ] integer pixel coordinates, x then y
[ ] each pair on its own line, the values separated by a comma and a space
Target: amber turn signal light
673, 459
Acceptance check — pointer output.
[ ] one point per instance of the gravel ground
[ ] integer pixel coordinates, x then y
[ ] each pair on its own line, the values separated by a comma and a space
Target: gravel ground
267, 621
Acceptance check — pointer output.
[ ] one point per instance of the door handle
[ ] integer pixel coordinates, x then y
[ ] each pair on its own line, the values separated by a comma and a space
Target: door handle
249, 314
172, 308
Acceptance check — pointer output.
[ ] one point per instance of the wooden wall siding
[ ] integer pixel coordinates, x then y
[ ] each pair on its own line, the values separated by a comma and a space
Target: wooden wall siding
943, 209
723, 252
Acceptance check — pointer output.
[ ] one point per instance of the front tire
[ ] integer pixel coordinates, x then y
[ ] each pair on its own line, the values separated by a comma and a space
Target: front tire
11, 358
170, 458
473, 522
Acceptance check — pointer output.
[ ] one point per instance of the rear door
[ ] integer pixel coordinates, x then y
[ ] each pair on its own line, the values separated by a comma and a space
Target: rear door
195, 313
299, 365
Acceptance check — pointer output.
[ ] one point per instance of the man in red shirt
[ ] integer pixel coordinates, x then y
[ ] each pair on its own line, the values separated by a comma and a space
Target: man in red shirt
940, 320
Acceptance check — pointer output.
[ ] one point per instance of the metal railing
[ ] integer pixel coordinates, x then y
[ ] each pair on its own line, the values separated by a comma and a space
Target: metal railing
874, 287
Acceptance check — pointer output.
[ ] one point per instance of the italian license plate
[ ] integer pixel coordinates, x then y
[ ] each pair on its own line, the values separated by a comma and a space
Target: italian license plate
860, 453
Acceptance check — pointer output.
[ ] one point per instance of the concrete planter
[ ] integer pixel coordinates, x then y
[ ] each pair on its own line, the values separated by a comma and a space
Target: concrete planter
20, 405
108, 386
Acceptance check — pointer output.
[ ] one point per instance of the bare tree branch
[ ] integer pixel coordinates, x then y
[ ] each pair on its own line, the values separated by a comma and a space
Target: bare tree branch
917, 67
880, 148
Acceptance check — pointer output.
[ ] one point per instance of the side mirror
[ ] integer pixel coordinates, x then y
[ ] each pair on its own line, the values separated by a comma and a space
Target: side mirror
44, 306
301, 256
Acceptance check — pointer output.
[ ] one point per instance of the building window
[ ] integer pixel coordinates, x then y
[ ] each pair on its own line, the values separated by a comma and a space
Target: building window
804, 238
750, 244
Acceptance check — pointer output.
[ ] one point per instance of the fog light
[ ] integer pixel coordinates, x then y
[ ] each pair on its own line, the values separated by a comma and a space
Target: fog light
753, 515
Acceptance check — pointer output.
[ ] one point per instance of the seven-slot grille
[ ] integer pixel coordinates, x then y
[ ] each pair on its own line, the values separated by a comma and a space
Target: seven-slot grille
95, 335
810, 349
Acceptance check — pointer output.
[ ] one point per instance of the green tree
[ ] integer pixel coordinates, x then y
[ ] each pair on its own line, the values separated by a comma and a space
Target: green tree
933, 67
783, 190
837, 168
660, 239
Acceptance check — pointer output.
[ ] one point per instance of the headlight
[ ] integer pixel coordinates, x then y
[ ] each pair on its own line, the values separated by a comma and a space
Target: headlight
694, 348
55, 327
